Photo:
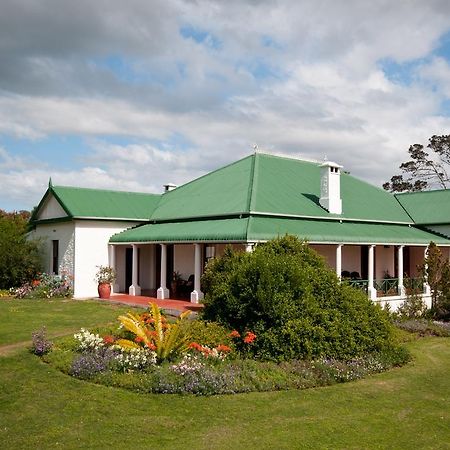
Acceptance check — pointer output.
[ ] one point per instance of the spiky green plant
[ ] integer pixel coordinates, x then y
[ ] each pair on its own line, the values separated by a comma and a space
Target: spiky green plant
168, 340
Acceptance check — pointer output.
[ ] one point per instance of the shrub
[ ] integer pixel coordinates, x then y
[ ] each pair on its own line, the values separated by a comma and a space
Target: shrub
4, 293
152, 331
46, 286
210, 334
100, 354
40, 344
195, 374
89, 364
293, 302
412, 308
20, 258
436, 270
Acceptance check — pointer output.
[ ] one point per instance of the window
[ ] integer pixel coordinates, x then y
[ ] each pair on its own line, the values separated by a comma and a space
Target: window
55, 256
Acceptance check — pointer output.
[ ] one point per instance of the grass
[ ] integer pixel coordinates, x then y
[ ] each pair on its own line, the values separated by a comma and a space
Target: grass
42, 408
19, 317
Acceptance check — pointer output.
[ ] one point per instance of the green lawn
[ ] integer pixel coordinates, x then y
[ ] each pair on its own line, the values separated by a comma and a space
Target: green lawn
41, 408
18, 318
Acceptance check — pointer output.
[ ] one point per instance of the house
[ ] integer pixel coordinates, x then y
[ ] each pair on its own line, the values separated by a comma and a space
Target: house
372, 237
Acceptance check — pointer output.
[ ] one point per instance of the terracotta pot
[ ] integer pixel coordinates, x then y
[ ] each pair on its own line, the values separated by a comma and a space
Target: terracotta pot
104, 290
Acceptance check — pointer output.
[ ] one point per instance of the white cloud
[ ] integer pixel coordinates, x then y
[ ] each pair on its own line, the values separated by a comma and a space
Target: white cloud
437, 73
300, 78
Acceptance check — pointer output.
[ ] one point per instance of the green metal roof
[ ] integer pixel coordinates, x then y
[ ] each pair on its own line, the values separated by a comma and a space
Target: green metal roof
101, 204
225, 191
275, 185
428, 207
289, 186
265, 228
202, 230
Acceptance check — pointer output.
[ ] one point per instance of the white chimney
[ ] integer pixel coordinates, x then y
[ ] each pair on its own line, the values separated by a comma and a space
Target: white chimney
169, 187
330, 187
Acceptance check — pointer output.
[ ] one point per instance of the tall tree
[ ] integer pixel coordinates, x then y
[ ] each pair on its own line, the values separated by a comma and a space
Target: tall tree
20, 258
436, 270
424, 171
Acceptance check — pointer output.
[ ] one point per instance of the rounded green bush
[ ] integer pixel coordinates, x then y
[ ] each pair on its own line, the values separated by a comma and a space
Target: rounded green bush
285, 293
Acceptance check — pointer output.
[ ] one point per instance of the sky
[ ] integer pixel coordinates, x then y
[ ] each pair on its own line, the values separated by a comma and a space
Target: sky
133, 95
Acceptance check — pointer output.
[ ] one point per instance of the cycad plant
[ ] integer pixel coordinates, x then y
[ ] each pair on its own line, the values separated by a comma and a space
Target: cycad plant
168, 340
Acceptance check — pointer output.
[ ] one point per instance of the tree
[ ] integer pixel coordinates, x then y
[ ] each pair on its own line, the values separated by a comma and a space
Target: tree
20, 259
436, 270
424, 171
294, 303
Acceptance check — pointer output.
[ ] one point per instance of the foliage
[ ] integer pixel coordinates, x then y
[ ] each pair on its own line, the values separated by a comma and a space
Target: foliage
200, 375
46, 286
105, 274
89, 364
100, 354
40, 344
293, 302
103, 359
424, 171
51, 405
424, 327
210, 334
436, 270
412, 308
20, 258
168, 340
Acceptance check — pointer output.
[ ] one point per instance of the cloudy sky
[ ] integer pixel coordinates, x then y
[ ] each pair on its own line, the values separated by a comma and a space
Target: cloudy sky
132, 95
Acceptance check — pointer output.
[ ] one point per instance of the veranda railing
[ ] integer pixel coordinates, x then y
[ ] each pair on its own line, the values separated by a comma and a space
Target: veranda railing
388, 286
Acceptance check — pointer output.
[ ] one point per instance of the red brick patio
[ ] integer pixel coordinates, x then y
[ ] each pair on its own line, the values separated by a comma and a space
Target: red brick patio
143, 301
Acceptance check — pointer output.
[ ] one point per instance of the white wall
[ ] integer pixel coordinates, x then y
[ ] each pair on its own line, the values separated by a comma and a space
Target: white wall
51, 209
384, 261
416, 258
120, 267
91, 250
351, 258
328, 252
147, 270
220, 248
63, 232
396, 301
184, 259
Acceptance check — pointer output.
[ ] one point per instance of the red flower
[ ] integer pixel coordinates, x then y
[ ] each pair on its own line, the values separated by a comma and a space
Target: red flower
138, 339
235, 334
249, 337
196, 346
223, 348
108, 339
151, 345
35, 283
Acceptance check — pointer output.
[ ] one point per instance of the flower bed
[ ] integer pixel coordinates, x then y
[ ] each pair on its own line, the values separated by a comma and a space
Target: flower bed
45, 286
148, 353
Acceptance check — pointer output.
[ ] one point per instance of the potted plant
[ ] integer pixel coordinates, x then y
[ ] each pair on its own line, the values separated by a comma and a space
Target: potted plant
104, 277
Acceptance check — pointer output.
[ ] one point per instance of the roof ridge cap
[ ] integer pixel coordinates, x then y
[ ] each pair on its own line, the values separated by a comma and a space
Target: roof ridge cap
421, 192
253, 179
293, 158
207, 174
105, 190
